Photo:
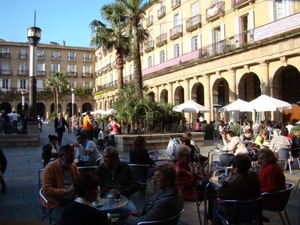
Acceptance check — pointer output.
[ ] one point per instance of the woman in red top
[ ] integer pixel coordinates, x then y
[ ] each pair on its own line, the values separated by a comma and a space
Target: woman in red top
271, 177
187, 179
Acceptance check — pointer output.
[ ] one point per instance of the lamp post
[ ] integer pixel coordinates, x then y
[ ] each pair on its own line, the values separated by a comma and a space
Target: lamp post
33, 36
23, 100
73, 102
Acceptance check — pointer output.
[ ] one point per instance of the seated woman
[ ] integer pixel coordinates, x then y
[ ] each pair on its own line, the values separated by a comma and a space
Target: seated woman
139, 155
187, 179
271, 177
50, 152
166, 203
261, 137
239, 185
82, 211
233, 143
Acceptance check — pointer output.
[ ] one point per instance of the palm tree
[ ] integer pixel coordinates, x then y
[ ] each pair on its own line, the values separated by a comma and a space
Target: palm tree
136, 12
56, 81
113, 36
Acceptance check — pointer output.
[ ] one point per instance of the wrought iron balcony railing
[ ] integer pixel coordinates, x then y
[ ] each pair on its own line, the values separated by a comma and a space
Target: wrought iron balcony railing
176, 32
193, 23
161, 12
161, 40
215, 11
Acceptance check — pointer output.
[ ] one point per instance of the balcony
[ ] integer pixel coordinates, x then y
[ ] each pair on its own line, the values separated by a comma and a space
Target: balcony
87, 75
114, 64
5, 55
71, 74
72, 58
176, 32
40, 57
104, 69
161, 12
240, 3
100, 71
175, 4
161, 40
23, 56
149, 21
193, 23
109, 66
40, 73
128, 79
5, 72
215, 11
56, 57
149, 46
23, 72
87, 59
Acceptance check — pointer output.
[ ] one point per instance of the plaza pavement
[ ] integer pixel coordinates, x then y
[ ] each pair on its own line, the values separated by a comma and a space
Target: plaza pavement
21, 199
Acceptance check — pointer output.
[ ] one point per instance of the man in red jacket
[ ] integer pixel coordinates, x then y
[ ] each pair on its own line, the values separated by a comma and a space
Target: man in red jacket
57, 182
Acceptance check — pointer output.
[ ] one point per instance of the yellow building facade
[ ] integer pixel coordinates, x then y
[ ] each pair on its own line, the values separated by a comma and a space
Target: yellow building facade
214, 52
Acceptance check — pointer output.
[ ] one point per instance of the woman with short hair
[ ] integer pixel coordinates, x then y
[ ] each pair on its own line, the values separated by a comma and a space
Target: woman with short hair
50, 152
166, 203
82, 211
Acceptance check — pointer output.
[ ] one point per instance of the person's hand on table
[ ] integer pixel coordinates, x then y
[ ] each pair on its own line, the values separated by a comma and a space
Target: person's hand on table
230, 177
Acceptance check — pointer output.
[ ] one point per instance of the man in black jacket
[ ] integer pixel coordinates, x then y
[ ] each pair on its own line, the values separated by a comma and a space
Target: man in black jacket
59, 125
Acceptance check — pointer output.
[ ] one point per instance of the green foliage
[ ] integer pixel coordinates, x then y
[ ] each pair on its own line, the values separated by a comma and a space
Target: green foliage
236, 128
133, 109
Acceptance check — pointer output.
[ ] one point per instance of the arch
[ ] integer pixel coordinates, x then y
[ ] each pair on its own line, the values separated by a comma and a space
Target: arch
86, 106
111, 104
5, 106
220, 92
69, 109
151, 96
249, 87
179, 95
19, 108
286, 84
197, 93
164, 96
41, 109
52, 108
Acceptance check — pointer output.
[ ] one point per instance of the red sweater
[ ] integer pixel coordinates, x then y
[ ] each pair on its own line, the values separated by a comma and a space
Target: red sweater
271, 179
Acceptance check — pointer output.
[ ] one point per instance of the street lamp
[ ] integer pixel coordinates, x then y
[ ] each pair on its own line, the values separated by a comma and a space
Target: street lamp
23, 100
33, 36
73, 102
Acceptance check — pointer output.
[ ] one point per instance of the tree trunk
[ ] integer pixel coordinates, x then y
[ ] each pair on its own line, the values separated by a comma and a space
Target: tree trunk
137, 70
120, 67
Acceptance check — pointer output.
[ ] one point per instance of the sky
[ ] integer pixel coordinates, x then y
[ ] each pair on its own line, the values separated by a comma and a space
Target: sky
59, 20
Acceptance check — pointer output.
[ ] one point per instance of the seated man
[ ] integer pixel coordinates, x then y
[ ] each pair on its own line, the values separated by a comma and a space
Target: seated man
112, 173
87, 153
239, 185
57, 182
280, 141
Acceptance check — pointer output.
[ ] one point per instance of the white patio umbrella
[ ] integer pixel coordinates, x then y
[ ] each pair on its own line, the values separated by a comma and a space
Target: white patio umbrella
238, 105
108, 112
191, 107
266, 103
97, 112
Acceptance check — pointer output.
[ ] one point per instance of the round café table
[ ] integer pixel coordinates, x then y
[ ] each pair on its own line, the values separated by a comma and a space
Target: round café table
117, 205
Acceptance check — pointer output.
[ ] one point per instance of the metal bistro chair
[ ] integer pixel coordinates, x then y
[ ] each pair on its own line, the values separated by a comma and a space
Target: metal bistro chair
285, 158
284, 195
141, 170
171, 221
46, 211
246, 211
198, 203
40, 172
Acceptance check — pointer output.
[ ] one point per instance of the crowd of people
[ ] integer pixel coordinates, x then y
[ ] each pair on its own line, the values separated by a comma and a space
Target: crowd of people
182, 179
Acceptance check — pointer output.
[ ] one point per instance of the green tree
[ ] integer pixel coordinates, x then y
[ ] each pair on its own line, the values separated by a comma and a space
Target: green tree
113, 35
57, 81
136, 12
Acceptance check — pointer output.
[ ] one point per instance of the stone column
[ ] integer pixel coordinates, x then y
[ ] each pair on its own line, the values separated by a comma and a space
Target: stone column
207, 101
170, 93
187, 91
264, 78
232, 85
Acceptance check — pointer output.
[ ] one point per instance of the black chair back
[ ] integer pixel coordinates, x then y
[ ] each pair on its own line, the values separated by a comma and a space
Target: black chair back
171, 221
